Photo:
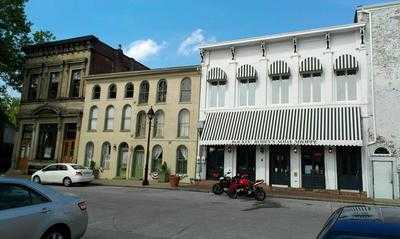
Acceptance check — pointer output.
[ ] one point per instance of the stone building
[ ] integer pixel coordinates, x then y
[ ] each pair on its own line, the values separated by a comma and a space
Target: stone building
115, 125
53, 94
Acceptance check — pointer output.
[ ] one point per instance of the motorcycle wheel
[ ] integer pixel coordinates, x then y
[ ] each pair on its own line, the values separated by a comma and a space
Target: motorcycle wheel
217, 189
232, 194
259, 195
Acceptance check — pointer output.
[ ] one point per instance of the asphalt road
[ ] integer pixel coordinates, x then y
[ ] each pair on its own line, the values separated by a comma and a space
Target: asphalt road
116, 212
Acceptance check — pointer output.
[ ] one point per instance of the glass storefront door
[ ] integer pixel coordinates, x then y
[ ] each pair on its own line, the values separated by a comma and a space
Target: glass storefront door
246, 161
349, 168
215, 162
279, 165
47, 142
313, 167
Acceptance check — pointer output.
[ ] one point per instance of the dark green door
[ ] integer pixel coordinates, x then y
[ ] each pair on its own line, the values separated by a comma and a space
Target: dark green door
137, 164
123, 157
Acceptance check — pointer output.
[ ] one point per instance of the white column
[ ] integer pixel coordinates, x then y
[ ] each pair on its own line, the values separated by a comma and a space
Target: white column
260, 162
330, 169
229, 161
266, 155
295, 167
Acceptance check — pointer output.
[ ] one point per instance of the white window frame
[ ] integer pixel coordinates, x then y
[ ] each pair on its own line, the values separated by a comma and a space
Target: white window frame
312, 78
245, 85
220, 88
281, 78
347, 78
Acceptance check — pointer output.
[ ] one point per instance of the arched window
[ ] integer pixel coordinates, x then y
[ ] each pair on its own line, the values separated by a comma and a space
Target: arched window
158, 124
346, 74
109, 122
311, 74
96, 91
105, 155
129, 90
156, 158
216, 79
279, 73
186, 90
161, 91
88, 153
247, 77
112, 91
122, 161
144, 92
137, 163
93, 115
381, 151
126, 117
181, 160
141, 124
183, 123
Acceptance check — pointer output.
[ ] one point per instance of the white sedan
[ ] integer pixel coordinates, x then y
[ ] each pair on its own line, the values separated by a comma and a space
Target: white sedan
64, 173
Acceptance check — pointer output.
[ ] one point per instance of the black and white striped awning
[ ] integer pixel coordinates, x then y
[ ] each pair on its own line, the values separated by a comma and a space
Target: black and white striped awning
246, 72
310, 65
340, 125
278, 68
345, 62
216, 74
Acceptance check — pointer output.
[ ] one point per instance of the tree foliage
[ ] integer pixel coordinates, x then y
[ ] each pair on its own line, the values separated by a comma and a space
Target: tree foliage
9, 107
15, 33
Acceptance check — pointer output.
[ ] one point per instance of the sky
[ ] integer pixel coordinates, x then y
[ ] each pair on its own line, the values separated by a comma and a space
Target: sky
162, 33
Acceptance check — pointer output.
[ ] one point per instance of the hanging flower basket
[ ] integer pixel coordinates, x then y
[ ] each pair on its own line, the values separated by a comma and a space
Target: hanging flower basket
174, 180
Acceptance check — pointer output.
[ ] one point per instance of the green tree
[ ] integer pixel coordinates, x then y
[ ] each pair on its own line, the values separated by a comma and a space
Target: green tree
9, 107
15, 33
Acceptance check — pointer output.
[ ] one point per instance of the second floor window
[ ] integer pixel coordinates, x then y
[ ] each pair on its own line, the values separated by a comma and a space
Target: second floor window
126, 117
216, 94
96, 91
346, 85
33, 87
144, 92
109, 122
280, 89
311, 87
93, 114
75, 83
112, 91
161, 91
186, 90
53, 85
247, 92
141, 124
129, 90
183, 123
158, 124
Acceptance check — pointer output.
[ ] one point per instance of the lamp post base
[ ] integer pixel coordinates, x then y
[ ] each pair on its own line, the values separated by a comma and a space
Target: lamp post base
145, 182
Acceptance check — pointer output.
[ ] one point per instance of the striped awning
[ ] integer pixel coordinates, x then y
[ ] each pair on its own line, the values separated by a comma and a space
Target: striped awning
340, 125
216, 74
246, 72
345, 62
278, 68
310, 65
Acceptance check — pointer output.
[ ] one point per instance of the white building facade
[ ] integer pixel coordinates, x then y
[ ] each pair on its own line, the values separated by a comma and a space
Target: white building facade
292, 109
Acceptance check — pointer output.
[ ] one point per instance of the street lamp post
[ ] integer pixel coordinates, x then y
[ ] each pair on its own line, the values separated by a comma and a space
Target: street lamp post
150, 115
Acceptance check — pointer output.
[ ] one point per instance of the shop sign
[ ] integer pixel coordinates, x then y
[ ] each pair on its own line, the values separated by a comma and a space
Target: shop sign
277, 141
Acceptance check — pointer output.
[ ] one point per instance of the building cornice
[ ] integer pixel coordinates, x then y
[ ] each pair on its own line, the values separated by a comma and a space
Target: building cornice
283, 36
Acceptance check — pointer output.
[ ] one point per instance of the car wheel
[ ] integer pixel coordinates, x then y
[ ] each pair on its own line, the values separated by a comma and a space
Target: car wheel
67, 182
55, 234
36, 179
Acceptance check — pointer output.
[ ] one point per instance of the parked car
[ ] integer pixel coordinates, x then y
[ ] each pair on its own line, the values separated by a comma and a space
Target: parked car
64, 173
362, 222
31, 210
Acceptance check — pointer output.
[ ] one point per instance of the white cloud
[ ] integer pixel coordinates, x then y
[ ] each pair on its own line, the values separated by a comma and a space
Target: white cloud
143, 49
191, 43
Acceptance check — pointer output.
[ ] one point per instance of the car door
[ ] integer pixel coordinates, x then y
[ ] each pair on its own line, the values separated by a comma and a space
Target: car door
61, 173
49, 174
24, 213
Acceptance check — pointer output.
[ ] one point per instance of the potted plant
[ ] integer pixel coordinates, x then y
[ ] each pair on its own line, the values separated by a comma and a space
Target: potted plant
174, 180
163, 176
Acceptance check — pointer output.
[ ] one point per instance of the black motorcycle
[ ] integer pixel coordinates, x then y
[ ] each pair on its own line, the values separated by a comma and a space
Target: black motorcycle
222, 185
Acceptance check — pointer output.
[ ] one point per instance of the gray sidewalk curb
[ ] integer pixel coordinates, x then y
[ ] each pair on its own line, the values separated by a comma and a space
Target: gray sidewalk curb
395, 204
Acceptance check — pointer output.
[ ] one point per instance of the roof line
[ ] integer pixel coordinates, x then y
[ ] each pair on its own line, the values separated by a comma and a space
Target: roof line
282, 35
378, 5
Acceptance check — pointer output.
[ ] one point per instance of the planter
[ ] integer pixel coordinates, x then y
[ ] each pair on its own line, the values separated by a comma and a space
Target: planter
174, 180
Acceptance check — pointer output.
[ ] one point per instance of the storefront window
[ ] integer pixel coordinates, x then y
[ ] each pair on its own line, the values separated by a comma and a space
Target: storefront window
26, 141
313, 167
215, 162
47, 141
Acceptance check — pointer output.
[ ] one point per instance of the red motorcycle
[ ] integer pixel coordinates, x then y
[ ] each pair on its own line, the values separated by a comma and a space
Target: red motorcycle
242, 186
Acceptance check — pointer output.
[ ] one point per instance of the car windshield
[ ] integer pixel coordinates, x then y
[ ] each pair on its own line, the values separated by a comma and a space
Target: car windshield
76, 166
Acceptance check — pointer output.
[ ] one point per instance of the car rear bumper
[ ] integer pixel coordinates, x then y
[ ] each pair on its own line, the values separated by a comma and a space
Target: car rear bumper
82, 179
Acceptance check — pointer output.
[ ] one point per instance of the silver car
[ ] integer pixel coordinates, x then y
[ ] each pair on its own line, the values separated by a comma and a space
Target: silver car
30, 210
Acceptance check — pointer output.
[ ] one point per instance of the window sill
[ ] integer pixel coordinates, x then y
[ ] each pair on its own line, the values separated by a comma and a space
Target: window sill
182, 137
161, 103
125, 130
108, 130
184, 102
92, 131
158, 137
143, 104
139, 137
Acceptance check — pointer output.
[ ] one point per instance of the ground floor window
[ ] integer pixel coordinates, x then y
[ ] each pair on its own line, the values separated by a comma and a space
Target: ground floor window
313, 167
156, 158
246, 161
105, 155
69, 143
279, 165
215, 162
181, 160
123, 157
137, 164
47, 141
349, 168
88, 154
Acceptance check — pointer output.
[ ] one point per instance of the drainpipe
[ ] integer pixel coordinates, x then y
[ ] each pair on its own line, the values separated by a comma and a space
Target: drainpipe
371, 76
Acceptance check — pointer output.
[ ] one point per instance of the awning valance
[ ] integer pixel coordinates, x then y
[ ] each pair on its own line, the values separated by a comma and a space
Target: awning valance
339, 125
278, 68
216, 74
246, 72
345, 62
310, 65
